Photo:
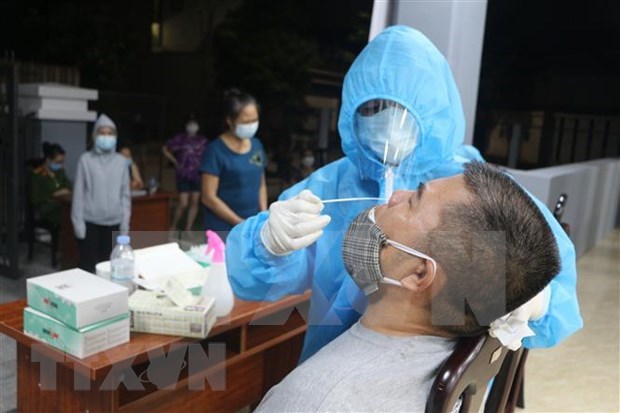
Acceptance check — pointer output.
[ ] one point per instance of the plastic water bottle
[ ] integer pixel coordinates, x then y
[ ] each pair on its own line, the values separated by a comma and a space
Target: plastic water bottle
122, 263
153, 185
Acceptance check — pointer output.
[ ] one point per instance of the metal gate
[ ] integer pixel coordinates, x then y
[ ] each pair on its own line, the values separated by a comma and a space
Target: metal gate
10, 192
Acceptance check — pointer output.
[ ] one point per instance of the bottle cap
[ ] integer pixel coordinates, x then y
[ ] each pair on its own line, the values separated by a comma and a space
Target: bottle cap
216, 246
123, 239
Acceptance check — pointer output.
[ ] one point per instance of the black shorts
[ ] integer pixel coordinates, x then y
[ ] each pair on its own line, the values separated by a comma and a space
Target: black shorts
184, 185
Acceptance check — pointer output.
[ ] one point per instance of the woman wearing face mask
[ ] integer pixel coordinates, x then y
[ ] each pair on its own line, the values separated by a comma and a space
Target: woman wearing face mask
233, 167
49, 183
101, 196
185, 152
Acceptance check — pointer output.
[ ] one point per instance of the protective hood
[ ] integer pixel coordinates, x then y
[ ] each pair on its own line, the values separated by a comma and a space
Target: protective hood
402, 65
103, 121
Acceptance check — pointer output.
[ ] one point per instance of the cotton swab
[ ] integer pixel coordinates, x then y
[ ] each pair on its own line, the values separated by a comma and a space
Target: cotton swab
333, 201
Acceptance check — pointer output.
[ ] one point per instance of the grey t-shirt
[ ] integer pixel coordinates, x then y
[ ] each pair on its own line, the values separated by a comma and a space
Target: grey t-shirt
363, 371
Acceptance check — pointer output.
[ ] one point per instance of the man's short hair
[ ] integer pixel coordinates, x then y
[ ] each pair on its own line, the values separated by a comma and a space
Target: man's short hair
497, 252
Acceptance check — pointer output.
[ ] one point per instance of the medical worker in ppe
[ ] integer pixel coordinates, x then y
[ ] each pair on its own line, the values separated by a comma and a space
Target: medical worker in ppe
401, 124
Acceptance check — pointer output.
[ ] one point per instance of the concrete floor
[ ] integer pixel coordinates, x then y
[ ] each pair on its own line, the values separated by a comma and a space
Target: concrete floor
582, 374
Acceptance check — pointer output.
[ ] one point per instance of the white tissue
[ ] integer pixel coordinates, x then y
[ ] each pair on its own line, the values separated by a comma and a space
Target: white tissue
510, 330
164, 261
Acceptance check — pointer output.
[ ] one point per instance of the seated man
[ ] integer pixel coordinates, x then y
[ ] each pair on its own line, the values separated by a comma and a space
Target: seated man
439, 263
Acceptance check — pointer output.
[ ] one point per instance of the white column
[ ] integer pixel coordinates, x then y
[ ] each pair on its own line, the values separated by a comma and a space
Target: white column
60, 115
456, 27
381, 17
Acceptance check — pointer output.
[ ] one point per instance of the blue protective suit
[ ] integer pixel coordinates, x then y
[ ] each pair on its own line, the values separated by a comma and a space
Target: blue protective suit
402, 65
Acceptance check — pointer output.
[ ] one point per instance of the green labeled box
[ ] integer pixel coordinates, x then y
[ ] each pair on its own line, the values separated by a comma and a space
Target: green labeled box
153, 312
77, 298
80, 343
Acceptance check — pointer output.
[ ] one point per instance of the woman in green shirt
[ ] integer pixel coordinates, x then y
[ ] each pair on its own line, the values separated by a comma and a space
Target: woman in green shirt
49, 183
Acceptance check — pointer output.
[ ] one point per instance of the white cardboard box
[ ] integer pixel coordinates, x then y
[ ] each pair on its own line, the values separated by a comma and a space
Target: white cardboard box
153, 312
82, 342
77, 298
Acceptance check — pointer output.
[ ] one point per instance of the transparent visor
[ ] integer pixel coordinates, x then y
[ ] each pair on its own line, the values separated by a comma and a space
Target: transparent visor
386, 131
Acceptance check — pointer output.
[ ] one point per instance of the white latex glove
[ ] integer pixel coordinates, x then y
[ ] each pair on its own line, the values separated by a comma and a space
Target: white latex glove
294, 224
512, 328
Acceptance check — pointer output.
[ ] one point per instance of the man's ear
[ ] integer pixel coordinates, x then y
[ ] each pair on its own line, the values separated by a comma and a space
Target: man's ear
421, 277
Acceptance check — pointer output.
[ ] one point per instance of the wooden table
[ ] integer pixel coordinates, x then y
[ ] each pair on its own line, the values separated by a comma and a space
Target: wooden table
262, 341
150, 221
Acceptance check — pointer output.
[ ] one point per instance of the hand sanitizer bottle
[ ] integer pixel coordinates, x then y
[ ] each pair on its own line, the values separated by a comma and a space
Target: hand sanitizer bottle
217, 284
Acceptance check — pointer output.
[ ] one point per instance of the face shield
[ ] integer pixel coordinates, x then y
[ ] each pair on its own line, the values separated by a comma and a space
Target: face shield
387, 134
386, 131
